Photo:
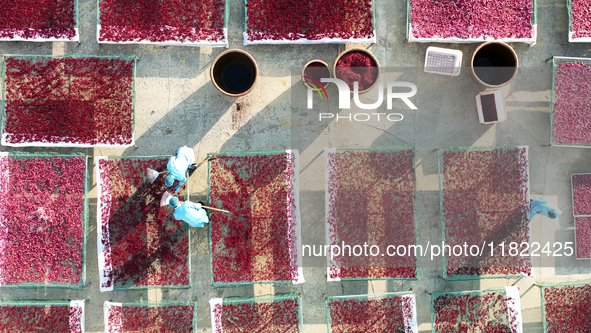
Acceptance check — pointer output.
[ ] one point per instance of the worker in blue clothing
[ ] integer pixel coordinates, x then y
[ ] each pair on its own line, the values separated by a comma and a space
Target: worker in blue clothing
190, 212
178, 164
544, 207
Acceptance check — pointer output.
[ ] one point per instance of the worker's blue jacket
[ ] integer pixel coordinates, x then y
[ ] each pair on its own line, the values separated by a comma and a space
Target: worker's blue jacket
178, 164
192, 213
542, 206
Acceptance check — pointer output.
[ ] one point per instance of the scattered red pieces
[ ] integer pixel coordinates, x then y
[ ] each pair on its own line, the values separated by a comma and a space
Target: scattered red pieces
256, 241
484, 311
567, 309
152, 317
40, 317
69, 101
42, 219
470, 19
583, 237
34, 19
361, 315
581, 194
268, 316
485, 199
580, 20
192, 21
572, 109
276, 20
359, 67
371, 199
144, 245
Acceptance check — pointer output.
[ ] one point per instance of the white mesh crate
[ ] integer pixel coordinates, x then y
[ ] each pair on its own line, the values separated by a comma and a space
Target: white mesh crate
443, 61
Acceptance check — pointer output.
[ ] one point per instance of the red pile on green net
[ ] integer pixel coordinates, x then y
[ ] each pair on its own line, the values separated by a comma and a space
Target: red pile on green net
141, 244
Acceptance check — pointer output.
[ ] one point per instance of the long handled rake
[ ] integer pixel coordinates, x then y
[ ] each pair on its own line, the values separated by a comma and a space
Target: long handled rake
166, 197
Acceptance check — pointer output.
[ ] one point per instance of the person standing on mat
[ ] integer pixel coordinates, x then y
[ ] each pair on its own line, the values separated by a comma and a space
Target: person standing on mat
190, 212
544, 207
177, 166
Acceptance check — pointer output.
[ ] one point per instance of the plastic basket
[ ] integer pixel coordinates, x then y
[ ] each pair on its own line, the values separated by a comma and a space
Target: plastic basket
443, 61
484, 203
43, 220
370, 198
566, 307
273, 313
260, 240
389, 312
130, 217
190, 23
68, 101
495, 310
150, 317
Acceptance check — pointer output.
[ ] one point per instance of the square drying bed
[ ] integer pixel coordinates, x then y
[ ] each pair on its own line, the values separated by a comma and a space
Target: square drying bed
570, 110
68, 101
140, 244
139, 317
484, 197
312, 22
39, 21
471, 21
477, 311
581, 190
378, 313
57, 316
566, 307
370, 199
163, 22
43, 220
271, 313
259, 241
579, 22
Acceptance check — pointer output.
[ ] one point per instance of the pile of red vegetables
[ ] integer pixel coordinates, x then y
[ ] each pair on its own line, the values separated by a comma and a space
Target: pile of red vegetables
314, 20
255, 242
190, 21
471, 19
137, 317
369, 315
69, 100
144, 244
372, 200
41, 318
237, 316
572, 109
485, 199
42, 219
357, 66
567, 309
580, 20
33, 19
478, 312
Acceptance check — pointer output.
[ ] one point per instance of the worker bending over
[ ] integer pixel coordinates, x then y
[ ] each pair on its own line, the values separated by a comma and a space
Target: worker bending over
544, 207
177, 166
190, 212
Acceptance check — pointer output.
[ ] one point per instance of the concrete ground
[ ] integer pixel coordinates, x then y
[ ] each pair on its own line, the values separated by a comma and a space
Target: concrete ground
174, 91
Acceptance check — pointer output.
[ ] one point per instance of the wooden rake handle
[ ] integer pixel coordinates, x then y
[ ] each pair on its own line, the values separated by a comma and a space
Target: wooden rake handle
219, 210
